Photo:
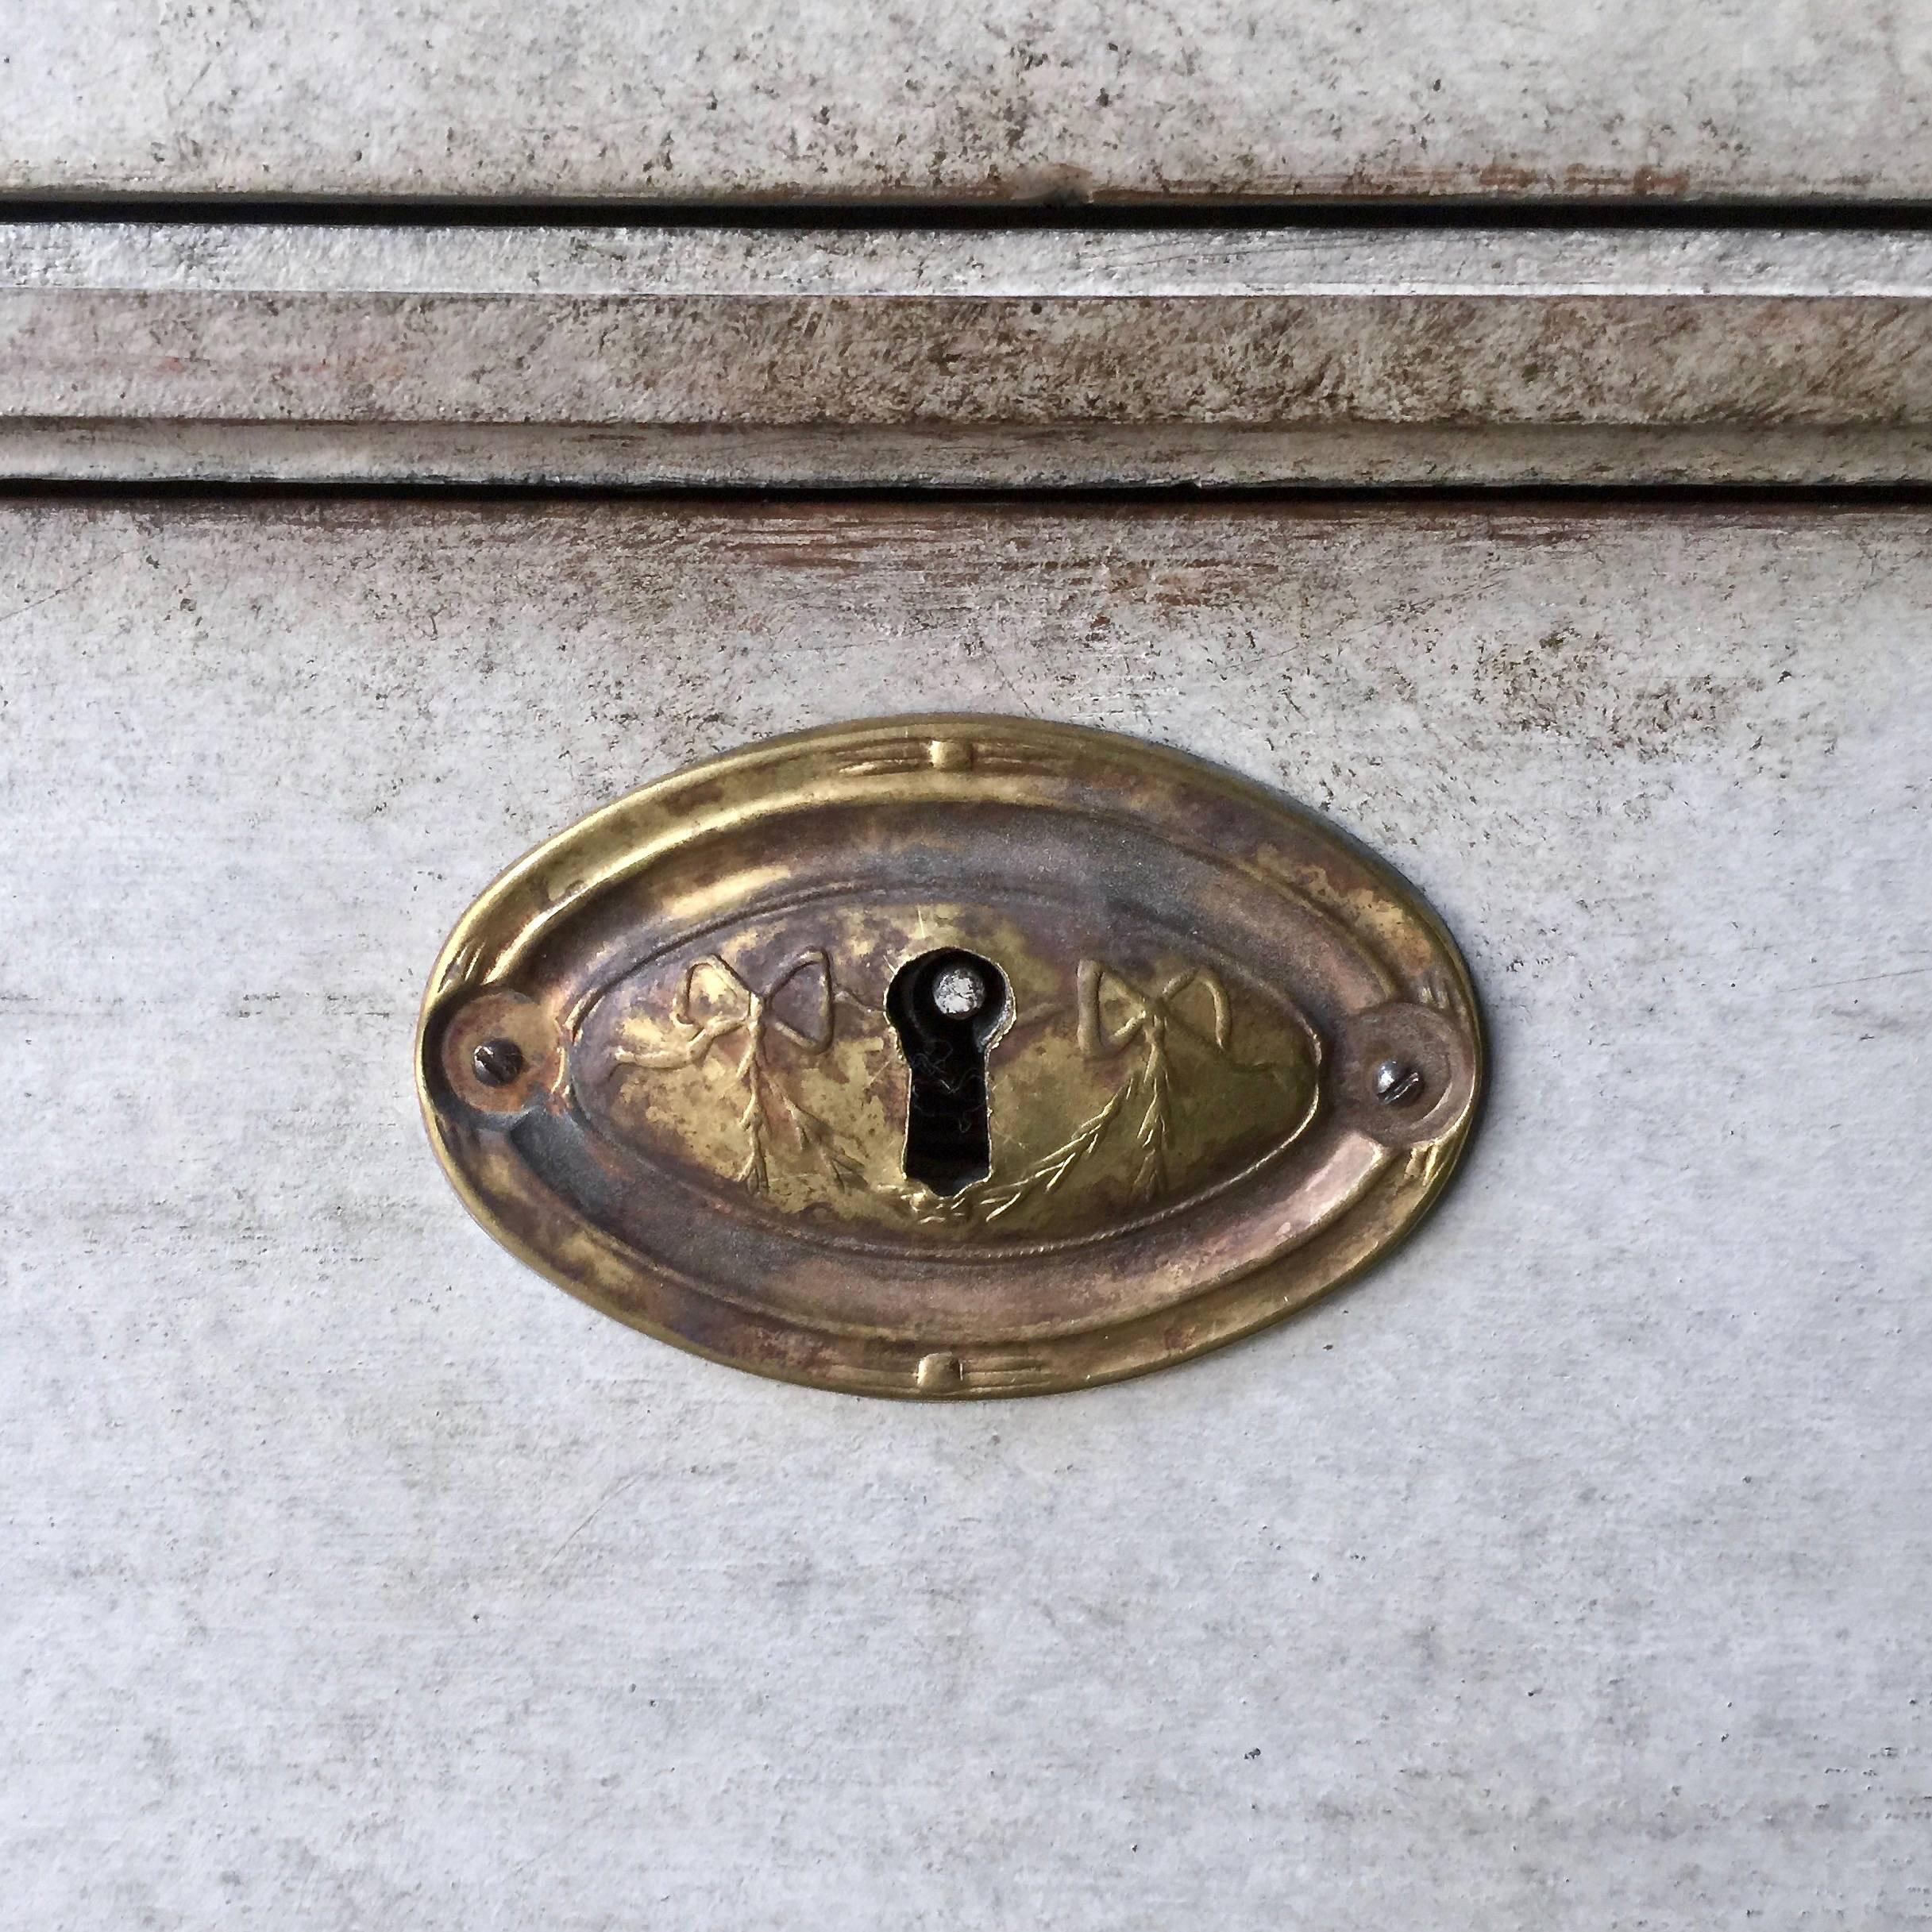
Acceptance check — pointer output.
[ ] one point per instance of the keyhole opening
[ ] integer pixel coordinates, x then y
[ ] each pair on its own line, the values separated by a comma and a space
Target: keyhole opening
948, 1009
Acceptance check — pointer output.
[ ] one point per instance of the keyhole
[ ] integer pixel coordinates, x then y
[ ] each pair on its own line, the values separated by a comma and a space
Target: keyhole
948, 1007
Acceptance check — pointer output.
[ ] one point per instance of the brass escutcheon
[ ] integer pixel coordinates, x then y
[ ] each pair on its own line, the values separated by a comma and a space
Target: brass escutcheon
950, 1056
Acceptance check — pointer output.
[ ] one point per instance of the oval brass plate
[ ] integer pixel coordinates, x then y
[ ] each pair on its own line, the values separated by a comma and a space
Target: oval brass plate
950, 1056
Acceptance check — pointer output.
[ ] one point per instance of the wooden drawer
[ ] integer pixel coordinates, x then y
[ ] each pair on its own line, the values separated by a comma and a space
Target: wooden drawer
1568, 1565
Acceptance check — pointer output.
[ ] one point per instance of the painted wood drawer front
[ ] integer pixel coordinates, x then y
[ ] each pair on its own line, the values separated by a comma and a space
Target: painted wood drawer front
1569, 1571
1131, 99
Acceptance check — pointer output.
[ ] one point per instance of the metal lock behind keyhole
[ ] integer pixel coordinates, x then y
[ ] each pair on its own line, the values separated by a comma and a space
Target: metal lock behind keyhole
948, 1009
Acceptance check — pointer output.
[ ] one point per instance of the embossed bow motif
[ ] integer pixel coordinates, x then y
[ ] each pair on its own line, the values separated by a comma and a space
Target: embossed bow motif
716, 1007
1112, 1014
714, 1003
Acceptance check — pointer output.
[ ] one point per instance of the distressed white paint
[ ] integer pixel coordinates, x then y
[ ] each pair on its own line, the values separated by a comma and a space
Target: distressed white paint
1570, 1571
243, 258
999, 98
605, 355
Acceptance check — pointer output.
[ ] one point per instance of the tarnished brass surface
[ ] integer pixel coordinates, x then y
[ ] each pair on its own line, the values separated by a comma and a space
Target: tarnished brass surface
949, 1056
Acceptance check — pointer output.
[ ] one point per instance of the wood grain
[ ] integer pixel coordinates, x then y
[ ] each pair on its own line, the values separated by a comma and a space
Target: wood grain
530, 355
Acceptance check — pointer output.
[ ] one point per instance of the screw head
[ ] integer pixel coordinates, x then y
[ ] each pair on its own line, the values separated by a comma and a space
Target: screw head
497, 1062
1397, 1081
957, 991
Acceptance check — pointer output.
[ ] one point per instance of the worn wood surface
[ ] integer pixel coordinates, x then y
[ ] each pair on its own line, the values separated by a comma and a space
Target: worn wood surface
1570, 1571
1001, 98
604, 355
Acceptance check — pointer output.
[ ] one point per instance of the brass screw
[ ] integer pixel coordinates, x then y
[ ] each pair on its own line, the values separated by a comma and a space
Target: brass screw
497, 1062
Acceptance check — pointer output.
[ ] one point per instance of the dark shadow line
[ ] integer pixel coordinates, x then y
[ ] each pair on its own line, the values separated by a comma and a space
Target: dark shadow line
1529, 496
1123, 213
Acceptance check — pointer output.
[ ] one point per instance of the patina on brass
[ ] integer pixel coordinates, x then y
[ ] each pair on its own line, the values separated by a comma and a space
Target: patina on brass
950, 1056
